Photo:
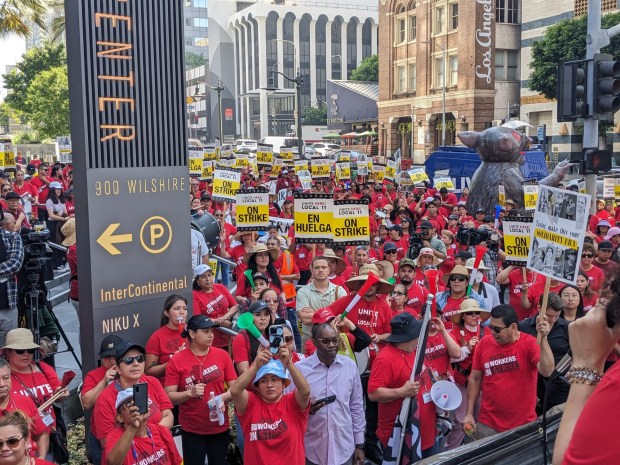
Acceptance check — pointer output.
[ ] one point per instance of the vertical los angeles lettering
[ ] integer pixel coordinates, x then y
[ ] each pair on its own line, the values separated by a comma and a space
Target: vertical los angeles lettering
484, 38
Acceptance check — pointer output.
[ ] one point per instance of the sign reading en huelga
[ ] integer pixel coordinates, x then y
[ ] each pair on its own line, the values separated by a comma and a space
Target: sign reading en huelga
351, 222
226, 183
517, 237
313, 217
264, 154
320, 169
195, 161
252, 210
558, 232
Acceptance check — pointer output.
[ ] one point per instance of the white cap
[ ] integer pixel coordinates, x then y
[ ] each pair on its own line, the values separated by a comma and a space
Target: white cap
123, 396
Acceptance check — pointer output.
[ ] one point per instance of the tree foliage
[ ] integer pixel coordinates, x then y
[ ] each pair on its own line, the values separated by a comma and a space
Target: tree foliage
48, 98
316, 116
368, 70
5, 114
564, 41
193, 60
17, 15
33, 62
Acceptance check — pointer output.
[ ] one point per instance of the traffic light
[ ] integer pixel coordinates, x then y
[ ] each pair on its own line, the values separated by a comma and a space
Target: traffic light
606, 86
596, 161
571, 93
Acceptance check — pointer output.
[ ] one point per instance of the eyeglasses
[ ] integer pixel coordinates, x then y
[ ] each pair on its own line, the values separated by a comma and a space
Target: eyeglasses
398, 293
130, 360
335, 341
497, 330
390, 251
23, 351
11, 442
288, 339
458, 279
472, 313
586, 255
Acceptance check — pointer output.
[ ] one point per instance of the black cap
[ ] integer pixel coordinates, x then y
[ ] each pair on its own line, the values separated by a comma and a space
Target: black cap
480, 210
453, 217
605, 245
205, 196
378, 187
200, 322
463, 254
443, 190
259, 275
405, 328
12, 195
109, 345
389, 246
125, 347
396, 227
258, 306
488, 218
426, 225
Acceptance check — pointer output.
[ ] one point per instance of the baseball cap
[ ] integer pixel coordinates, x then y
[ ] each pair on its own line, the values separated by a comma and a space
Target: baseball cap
453, 217
426, 225
389, 246
109, 345
55, 185
12, 195
480, 210
258, 306
322, 315
205, 196
200, 322
406, 262
605, 245
259, 275
125, 347
463, 254
201, 269
395, 227
123, 396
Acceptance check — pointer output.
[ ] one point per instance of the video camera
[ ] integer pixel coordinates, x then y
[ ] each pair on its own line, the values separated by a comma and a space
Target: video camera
36, 252
415, 245
473, 236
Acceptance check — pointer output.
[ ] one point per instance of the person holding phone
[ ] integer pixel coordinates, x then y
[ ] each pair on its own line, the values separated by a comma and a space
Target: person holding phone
136, 439
130, 363
191, 375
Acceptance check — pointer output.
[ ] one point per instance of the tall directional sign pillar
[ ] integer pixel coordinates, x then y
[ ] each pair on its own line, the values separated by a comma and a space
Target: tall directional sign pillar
127, 100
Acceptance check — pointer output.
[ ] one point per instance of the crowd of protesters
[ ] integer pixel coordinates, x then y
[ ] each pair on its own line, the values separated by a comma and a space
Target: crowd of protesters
329, 392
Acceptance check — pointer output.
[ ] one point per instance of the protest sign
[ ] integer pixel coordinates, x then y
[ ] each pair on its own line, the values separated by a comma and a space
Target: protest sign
242, 160
7, 155
362, 168
195, 161
517, 236
226, 163
64, 149
320, 168
226, 183
418, 175
343, 171
313, 217
226, 151
581, 186
276, 169
502, 194
530, 195
301, 165
210, 152
252, 210
609, 187
443, 181
390, 170
207, 170
283, 224
559, 227
264, 155
404, 179
351, 222
286, 154
344, 156
617, 188
378, 172
305, 179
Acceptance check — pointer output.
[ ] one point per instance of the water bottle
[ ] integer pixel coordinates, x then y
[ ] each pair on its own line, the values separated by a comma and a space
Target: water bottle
212, 407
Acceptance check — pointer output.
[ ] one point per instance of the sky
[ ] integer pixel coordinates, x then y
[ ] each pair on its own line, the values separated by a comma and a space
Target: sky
11, 49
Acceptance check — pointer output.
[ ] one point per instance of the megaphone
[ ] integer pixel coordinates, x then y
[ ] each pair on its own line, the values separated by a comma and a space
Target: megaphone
248, 274
246, 321
446, 395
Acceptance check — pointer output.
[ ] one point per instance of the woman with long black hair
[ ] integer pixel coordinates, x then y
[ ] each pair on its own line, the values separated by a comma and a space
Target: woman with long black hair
573, 303
57, 216
260, 260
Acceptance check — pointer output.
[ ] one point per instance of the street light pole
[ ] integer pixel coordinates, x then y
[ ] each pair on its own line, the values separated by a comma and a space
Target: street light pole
219, 88
298, 80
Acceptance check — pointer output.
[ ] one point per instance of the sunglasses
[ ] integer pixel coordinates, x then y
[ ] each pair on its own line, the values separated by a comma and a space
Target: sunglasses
130, 360
335, 341
472, 313
11, 442
23, 351
458, 279
390, 251
288, 339
586, 255
271, 301
496, 329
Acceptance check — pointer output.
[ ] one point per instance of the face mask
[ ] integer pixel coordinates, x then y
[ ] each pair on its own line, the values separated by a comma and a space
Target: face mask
479, 277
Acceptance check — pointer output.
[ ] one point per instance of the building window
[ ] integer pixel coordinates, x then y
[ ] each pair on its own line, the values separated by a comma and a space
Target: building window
506, 65
439, 72
401, 79
454, 16
413, 77
199, 3
201, 22
440, 20
400, 38
507, 11
413, 27
453, 61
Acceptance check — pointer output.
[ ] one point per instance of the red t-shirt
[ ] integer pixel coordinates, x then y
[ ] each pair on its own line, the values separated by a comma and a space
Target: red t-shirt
92, 378
391, 369
416, 298
596, 426
26, 188
302, 256
515, 278
241, 347
236, 255
274, 433
105, 410
589, 301
536, 290
39, 386
597, 277
372, 317
217, 368
213, 305
420, 279
509, 376
462, 337
42, 189
158, 447
164, 343
26, 405
451, 307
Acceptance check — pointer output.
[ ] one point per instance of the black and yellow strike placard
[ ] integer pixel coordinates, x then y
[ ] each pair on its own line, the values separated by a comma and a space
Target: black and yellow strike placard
264, 154
313, 218
207, 170
226, 151
530, 195
517, 238
286, 153
390, 170
418, 175
7, 155
276, 169
195, 161
301, 165
345, 156
556, 238
242, 160
252, 210
351, 222
210, 152
226, 183
343, 171
320, 169
378, 172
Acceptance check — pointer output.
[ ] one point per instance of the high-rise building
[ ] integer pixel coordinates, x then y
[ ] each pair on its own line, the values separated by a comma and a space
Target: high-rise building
196, 28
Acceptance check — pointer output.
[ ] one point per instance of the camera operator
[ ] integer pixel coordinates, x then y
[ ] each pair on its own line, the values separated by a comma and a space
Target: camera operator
490, 239
430, 239
11, 259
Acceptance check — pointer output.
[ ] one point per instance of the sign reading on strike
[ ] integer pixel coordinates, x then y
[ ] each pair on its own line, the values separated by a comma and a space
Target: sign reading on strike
517, 237
313, 217
378, 172
207, 170
252, 210
530, 195
210, 152
351, 222
226, 183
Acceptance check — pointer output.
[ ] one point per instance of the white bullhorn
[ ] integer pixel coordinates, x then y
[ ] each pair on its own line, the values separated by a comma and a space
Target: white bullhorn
446, 395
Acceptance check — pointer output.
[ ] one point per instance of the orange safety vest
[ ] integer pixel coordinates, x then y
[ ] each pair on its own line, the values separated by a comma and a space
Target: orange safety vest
287, 268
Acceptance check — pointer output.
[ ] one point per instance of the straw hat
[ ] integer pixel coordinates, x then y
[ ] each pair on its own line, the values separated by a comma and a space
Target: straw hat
470, 305
237, 236
383, 287
68, 230
388, 268
341, 265
428, 251
273, 253
20, 339
458, 270
469, 264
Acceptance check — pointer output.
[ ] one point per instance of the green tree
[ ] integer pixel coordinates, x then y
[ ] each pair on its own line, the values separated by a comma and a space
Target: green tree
17, 15
564, 41
193, 60
33, 62
316, 116
48, 97
368, 70
5, 114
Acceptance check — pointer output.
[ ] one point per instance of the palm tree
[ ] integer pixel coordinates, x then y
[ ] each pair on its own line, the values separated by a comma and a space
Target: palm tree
16, 16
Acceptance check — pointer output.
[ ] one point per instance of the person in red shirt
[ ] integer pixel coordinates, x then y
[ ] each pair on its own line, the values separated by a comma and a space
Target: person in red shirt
214, 301
192, 376
273, 423
506, 366
530, 294
588, 296
260, 259
396, 238
167, 340
93, 385
236, 253
25, 190
137, 441
448, 199
416, 293
596, 274
41, 184
512, 276
15, 433
602, 259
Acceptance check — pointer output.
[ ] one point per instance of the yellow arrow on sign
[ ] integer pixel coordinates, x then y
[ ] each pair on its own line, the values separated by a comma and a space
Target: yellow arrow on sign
107, 239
